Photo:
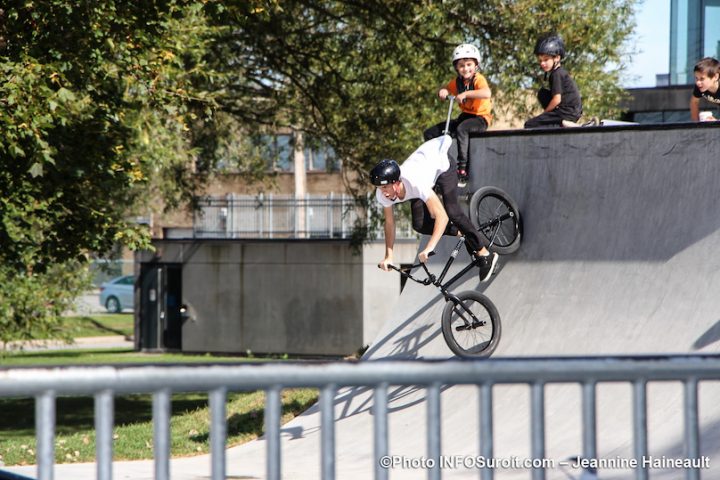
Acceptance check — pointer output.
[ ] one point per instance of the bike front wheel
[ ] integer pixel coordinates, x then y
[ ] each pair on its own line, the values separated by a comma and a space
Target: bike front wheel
471, 327
496, 216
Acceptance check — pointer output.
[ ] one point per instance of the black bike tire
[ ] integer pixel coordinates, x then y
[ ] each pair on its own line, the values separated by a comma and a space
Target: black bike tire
513, 243
479, 350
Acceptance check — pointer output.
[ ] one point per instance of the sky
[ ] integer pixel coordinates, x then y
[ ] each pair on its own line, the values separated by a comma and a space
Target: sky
652, 41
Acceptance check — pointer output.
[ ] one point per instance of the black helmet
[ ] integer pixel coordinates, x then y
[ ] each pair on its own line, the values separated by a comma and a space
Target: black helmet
386, 171
550, 44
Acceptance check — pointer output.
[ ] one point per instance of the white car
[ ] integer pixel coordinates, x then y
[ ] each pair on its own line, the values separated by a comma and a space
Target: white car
118, 294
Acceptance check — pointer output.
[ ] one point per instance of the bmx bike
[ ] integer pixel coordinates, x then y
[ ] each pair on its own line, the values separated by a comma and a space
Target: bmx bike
470, 322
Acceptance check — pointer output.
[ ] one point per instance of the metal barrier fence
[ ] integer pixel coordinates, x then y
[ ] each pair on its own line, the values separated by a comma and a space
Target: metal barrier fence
104, 382
283, 216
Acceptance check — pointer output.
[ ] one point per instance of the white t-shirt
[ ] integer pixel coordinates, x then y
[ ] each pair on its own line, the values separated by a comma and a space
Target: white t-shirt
420, 170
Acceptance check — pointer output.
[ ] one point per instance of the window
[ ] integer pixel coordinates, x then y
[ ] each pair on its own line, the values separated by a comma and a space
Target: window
320, 157
276, 150
711, 29
694, 34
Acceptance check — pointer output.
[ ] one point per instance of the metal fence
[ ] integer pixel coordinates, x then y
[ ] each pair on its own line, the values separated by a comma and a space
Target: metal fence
104, 382
283, 216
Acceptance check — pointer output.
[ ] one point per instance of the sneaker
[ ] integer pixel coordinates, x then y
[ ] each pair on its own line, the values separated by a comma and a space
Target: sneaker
462, 177
569, 124
593, 122
487, 265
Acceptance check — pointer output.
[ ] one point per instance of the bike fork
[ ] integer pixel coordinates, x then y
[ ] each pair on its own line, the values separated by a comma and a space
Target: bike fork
496, 224
463, 312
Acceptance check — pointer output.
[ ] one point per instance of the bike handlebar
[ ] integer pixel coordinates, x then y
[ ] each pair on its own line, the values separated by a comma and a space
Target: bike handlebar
406, 271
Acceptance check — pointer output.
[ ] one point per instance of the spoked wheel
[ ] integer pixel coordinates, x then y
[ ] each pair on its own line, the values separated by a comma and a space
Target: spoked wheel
497, 218
472, 328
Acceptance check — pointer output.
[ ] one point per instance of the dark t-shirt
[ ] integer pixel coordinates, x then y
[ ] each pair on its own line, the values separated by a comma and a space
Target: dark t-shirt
570, 102
710, 97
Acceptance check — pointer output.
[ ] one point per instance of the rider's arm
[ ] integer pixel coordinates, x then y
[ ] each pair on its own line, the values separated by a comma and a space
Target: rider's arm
389, 228
480, 93
437, 211
554, 102
694, 108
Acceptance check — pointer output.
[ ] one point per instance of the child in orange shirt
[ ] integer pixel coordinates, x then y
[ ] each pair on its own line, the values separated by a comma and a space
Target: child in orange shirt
472, 93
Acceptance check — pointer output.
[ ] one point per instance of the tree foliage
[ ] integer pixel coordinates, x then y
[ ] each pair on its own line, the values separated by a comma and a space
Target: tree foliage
97, 103
363, 75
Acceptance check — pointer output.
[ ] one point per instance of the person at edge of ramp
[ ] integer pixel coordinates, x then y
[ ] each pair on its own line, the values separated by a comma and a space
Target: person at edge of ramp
427, 169
707, 86
562, 104
473, 95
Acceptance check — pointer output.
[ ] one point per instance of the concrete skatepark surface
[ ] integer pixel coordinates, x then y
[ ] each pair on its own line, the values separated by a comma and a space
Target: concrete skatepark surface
619, 257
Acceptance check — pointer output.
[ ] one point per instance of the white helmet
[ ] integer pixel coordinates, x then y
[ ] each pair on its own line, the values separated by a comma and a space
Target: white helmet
466, 51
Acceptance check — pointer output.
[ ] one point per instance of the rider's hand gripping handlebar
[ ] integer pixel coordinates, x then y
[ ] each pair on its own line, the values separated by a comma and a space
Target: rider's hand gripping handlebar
430, 279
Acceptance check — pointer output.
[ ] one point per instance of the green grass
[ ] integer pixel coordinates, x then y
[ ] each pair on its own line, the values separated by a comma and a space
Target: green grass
109, 355
99, 325
133, 432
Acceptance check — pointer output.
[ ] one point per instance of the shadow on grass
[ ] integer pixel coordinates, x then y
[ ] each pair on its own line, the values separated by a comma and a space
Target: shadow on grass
252, 423
105, 328
77, 414
84, 323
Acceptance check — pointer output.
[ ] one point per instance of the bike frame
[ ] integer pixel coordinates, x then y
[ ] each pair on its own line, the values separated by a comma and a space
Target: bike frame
437, 281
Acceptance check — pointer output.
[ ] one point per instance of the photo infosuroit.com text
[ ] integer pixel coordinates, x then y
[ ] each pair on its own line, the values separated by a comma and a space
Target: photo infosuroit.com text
451, 462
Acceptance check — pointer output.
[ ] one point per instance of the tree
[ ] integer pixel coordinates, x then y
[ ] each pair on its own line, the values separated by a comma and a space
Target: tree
94, 114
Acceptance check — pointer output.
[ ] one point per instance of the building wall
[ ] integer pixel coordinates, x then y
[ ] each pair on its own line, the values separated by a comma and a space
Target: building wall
662, 104
296, 297
284, 182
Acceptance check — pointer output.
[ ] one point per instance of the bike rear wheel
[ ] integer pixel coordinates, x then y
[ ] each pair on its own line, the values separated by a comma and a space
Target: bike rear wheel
496, 216
471, 328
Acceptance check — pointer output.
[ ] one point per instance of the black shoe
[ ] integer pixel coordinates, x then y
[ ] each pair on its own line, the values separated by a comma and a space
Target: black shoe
487, 265
462, 177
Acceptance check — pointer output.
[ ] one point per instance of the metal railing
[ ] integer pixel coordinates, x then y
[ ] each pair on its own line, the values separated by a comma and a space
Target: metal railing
104, 382
282, 216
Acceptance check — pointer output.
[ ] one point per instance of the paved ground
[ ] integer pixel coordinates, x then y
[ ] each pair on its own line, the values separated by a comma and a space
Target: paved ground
88, 304
619, 257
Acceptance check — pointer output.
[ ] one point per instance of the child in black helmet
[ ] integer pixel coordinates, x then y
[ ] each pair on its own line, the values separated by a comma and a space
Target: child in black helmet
561, 101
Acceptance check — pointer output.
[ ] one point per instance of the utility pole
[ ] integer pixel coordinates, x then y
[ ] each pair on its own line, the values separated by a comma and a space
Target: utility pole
300, 183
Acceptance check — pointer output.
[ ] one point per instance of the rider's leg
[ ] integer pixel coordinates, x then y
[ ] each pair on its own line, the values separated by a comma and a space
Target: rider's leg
545, 119
422, 221
467, 124
437, 129
447, 183
434, 131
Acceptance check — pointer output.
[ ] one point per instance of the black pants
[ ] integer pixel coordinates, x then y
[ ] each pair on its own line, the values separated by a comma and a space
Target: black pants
461, 127
547, 119
446, 185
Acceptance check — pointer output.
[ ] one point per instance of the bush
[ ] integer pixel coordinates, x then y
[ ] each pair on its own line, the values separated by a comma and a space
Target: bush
32, 304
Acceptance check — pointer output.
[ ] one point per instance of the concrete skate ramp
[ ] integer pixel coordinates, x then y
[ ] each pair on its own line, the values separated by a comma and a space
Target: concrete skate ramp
619, 256
619, 253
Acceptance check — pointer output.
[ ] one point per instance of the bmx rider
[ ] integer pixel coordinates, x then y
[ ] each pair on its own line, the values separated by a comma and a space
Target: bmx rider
427, 167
